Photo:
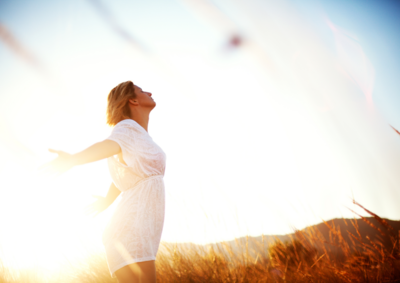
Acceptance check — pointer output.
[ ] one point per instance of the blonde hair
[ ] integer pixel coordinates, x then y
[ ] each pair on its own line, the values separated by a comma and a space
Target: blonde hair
117, 103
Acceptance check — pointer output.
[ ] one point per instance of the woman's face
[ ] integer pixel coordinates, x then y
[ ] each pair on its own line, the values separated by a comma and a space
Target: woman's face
144, 98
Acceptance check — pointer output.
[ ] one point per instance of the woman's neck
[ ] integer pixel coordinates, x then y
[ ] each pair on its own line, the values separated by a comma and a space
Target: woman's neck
142, 119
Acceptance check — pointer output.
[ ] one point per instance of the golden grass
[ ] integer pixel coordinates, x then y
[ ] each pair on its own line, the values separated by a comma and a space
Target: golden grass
307, 257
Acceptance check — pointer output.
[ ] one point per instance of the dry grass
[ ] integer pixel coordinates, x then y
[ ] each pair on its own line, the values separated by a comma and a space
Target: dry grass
308, 257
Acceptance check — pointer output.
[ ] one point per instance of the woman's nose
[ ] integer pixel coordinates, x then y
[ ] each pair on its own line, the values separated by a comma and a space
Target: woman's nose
149, 93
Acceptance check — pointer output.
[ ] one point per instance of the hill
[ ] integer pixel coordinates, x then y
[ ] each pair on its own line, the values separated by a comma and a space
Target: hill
369, 228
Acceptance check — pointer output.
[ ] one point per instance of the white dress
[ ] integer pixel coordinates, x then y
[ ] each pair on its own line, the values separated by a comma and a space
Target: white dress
134, 231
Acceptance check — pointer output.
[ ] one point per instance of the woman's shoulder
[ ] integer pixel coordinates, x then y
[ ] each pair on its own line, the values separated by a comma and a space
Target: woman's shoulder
129, 124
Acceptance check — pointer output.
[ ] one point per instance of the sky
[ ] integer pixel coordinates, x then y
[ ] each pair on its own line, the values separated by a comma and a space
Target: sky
277, 130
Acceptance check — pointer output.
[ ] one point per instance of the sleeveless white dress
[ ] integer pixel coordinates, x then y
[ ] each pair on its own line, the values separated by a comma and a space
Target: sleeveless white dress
134, 231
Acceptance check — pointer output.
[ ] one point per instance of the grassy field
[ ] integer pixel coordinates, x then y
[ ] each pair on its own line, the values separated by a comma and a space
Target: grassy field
309, 255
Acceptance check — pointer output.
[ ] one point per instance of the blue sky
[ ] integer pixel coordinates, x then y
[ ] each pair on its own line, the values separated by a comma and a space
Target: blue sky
376, 26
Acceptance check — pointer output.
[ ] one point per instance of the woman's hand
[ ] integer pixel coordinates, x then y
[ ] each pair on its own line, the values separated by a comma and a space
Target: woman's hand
98, 206
61, 164
66, 161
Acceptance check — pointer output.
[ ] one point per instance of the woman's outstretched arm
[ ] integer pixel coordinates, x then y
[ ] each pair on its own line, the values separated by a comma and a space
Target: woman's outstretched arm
97, 151
102, 203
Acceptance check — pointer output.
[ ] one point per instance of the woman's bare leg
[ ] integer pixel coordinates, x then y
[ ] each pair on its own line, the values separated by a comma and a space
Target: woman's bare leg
140, 272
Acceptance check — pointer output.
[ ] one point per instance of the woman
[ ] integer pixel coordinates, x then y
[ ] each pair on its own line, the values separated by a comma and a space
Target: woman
132, 236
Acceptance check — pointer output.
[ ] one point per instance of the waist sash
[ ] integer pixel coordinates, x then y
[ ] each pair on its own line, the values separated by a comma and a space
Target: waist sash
145, 180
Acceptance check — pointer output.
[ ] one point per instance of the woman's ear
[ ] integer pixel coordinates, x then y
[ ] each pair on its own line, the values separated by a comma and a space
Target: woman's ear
133, 101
